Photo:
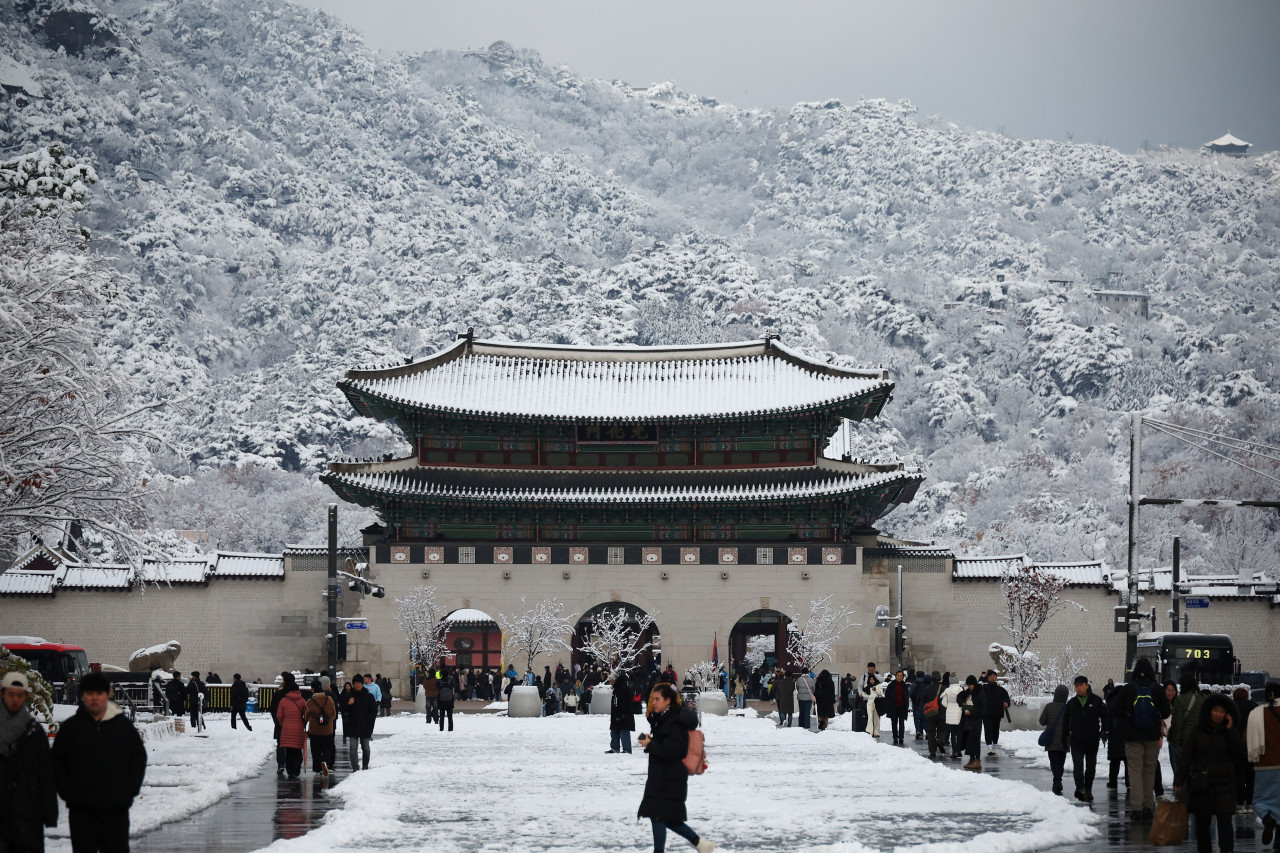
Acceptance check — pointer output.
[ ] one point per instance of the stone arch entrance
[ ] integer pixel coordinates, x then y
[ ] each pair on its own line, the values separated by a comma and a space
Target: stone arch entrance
585, 628
473, 639
759, 637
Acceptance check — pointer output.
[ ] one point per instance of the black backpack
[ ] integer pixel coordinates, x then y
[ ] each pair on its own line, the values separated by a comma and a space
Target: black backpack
1143, 715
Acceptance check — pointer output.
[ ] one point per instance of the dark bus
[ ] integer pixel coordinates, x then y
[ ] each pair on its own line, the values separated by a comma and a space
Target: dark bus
1209, 656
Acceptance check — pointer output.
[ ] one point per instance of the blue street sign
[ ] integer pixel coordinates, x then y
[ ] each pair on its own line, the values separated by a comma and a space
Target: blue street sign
357, 624
1196, 602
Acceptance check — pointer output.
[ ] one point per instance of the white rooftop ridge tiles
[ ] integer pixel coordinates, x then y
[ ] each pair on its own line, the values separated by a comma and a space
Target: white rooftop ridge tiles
395, 483
192, 570
616, 383
991, 568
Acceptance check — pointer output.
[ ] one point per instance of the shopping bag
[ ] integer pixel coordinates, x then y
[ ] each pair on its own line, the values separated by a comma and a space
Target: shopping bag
1170, 824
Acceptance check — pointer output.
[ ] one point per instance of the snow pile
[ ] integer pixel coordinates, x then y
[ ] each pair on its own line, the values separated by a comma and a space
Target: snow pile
768, 789
186, 774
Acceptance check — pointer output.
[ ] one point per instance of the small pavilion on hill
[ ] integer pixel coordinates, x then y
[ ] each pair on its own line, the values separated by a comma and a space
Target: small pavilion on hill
1229, 145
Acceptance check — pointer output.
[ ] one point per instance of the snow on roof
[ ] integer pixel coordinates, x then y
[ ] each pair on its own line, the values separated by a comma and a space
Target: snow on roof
26, 583
615, 383
1228, 140
22, 640
190, 570
96, 577
248, 565
468, 615
991, 568
803, 483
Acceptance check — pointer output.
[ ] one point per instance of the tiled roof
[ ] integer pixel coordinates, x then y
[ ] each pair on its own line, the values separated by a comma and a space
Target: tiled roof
468, 615
248, 565
95, 577
193, 570
15, 582
1094, 573
617, 487
615, 384
1228, 139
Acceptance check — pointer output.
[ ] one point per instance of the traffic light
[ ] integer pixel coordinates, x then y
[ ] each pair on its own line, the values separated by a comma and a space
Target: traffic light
379, 592
341, 645
899, 640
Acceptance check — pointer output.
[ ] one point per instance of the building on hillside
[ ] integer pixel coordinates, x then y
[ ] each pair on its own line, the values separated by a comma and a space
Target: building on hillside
1108, 292
1229, 145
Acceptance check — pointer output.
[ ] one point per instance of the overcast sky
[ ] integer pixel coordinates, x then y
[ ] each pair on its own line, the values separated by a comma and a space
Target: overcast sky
1118, 73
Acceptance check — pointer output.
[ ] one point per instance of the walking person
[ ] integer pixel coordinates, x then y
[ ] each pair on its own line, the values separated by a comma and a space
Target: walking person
239, 701
973, 709
176, 692
804, 696
1208, 771
897, 700
622, 716
291, 714
666, 785
997, 701
319, 713
1262, 740
1141, 706
1087, 725
444, 705
362, 713
1051, 718
1186, 716
824, 698
955, 715
99, 763
1244, 770
784, 694
28, 792
197, 695
935, 715
864, 701
917, 704
342, 710
1115, 746
431, 693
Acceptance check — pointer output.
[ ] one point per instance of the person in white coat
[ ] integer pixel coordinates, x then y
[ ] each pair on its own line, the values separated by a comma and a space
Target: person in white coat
951, 701
873, 714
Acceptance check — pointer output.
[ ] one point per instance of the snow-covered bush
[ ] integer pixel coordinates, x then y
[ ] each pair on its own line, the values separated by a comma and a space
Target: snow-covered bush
537, 630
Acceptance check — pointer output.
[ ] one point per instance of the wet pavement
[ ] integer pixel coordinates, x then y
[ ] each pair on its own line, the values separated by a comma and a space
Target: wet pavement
1119, 834
260, 810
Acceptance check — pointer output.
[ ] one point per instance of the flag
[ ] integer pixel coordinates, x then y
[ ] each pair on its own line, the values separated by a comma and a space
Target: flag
715, 648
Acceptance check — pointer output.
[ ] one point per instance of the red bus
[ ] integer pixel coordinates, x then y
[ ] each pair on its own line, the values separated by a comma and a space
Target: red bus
60, 664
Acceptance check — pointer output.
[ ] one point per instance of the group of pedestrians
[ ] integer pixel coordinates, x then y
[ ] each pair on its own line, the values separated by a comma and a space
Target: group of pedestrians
1224, 750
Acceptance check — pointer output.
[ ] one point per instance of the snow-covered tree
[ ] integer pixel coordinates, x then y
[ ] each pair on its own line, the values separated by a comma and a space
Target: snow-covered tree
40, 697
614, 642
537, 630
758, 648
1032, 596
812, 641
69, 449
420, 619
705, 675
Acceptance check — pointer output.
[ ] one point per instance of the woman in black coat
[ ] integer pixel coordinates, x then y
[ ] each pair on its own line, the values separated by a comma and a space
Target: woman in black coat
667, 785
622, 716
1208, 770
824, 698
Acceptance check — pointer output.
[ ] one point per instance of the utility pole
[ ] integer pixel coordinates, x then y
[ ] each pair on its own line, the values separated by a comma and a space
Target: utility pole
331, 638
1135, 456
1174, 595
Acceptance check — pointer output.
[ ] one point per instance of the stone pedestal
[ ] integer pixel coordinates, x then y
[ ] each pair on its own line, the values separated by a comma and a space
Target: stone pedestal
524, 702
602, 699
713, 702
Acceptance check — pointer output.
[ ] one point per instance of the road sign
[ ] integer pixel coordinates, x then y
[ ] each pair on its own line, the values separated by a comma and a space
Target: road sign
357, 624
1196, 602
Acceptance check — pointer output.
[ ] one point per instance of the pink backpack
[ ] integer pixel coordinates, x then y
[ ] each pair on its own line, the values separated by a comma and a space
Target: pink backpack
695, 760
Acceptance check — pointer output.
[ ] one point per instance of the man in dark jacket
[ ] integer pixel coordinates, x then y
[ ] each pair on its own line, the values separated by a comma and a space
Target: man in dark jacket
1140, 707
176, 692
28, 796
99, 763
239, 701
622, 716
997, 699
362, 713
897, 700
1086, 724
197, 695
973, 706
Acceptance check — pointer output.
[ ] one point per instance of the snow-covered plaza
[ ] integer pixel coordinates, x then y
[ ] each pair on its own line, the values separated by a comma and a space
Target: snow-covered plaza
500, 784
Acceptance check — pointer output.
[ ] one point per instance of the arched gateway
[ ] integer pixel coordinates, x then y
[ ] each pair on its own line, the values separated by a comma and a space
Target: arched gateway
689, 482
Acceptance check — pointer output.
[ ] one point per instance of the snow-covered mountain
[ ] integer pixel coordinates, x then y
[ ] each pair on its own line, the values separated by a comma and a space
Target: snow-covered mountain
283, 204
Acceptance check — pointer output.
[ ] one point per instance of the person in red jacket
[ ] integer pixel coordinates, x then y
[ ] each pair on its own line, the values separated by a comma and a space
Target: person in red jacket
291, 714
897, 700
